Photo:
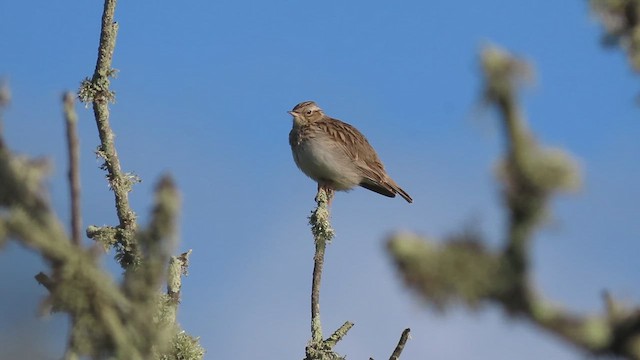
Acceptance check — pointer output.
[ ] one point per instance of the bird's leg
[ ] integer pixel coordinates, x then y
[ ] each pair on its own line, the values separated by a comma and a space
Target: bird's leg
328, 190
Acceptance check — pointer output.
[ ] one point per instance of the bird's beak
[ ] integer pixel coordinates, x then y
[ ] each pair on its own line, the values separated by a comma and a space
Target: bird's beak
292, 113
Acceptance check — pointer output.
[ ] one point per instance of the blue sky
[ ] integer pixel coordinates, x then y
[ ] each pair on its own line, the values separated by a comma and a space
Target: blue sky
202, 92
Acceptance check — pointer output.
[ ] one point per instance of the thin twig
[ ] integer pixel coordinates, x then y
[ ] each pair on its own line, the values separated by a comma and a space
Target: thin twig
403, 340
318, 261
319, 349
322, 233
338, 334
103, 70
73, 143
44, 280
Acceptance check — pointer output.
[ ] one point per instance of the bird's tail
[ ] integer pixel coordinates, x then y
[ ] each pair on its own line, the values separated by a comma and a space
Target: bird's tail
397, 189
387, 187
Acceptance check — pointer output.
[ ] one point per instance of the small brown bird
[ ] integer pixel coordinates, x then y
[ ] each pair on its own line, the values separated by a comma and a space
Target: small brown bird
335, 154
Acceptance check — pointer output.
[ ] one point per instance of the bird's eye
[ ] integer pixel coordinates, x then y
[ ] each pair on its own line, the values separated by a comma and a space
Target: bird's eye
309, 112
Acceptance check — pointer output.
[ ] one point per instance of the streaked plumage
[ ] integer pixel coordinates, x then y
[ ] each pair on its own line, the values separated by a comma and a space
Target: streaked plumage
335, 154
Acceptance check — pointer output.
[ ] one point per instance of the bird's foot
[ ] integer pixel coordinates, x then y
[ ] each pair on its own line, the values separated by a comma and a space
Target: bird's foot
329, 193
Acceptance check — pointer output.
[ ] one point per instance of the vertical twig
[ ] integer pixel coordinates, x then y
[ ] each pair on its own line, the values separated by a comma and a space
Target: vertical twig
97, 91
71, 121
322, 233
100, 79
319, 349
318, 261
73, 144
177, 268
525, 198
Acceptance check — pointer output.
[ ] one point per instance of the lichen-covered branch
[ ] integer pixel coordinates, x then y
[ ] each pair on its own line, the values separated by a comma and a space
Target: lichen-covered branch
529, 173
156, 242
322, 234
178, 266
109, 320
337, 335
319, 348
78, 285
73, 144
464, 271
97, 91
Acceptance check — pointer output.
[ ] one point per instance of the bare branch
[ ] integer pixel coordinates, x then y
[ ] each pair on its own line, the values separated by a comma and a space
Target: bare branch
401, 343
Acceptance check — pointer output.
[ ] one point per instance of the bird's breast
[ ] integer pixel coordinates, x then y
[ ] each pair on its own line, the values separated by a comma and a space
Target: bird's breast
320, 159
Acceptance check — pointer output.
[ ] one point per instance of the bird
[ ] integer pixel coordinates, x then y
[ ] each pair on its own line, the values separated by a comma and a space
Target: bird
336, 155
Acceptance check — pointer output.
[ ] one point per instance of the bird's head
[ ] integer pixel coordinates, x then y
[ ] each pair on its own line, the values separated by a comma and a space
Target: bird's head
306, 112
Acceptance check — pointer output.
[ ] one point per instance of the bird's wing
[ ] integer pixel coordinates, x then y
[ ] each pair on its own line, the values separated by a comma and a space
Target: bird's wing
358, 149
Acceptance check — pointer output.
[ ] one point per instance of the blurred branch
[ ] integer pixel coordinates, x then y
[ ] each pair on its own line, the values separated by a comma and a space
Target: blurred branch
620, 19
5, 100
132, 321
464, 271
178, 266
71, 121
78, 286
96, 90
106, 320
44, 280
529, 173
155, 243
